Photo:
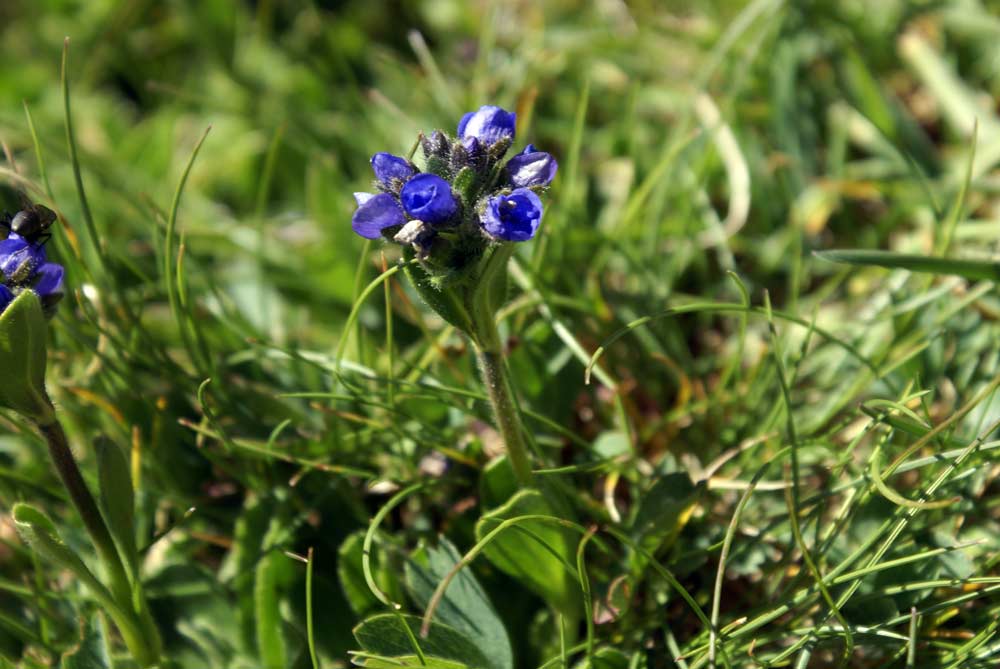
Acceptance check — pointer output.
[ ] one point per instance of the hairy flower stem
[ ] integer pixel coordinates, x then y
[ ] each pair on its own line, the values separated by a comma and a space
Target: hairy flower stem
501, 394
138, 631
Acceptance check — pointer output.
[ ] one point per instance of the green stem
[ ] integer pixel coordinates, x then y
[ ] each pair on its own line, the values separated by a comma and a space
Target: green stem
138, 630
501, 394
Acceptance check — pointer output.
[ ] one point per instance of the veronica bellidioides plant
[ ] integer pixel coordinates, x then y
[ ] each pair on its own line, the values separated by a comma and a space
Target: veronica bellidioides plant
460, 219
30, 289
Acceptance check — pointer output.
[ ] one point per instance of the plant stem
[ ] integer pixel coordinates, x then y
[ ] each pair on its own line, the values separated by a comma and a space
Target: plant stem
501, 394
139, 631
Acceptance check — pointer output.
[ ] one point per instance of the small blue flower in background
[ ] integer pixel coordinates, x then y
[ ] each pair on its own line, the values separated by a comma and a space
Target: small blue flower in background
531, 167
388, 167
514, 217
428, 197
489, 125
24, 266
376, 213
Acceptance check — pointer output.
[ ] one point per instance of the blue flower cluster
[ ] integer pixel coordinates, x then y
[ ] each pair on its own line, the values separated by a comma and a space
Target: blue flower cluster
464, 198
24, 266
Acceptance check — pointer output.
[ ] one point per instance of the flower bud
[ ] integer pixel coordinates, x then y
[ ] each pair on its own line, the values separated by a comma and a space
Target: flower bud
531, 167
428, 197
489, 125
514, 217
388, 167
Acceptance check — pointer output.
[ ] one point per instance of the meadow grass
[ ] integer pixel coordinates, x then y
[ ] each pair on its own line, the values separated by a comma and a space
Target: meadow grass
764, 458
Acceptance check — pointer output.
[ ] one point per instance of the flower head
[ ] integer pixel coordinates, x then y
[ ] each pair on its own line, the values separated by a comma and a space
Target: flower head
388, 167
531, 167
513, 217
490, 124
428, 197
456, 206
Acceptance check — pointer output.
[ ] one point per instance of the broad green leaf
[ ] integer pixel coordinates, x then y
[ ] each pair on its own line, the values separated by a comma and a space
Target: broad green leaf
465, 605
23, 334
384, 635
534, 552
118, 499
91, 653
267, 600
38, 532
248, 539
662, 512
498, 483
445, 302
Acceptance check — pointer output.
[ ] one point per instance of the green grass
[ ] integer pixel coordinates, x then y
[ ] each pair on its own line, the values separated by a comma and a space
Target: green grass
755, 474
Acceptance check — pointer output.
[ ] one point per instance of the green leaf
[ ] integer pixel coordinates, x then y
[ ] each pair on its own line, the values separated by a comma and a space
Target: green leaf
498, 483
40, 534
605, 658
385, 635
662, 513
970, 269
23, 333
408, 661
464, 606
91, 653
118, 500
464, 184
534, 552
445, 302
267, 600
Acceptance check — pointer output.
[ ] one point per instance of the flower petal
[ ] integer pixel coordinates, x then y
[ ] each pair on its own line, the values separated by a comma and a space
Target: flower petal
388, 167
531, 168
428, 197
15, 252
49, 280
361, 198
375, 214
489, 124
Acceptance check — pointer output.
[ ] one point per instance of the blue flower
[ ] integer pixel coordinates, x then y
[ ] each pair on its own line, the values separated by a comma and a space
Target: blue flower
428, 197
531, 167
514, 217
375, 213
23, 266
48, 280
489, 125
19, 259
388, 167
6, 297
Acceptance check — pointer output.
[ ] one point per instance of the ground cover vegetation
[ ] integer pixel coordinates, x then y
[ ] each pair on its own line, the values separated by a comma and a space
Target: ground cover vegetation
676, 348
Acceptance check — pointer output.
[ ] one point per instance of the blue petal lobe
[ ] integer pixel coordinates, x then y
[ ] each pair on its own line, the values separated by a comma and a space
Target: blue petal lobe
377, 213
49, 280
